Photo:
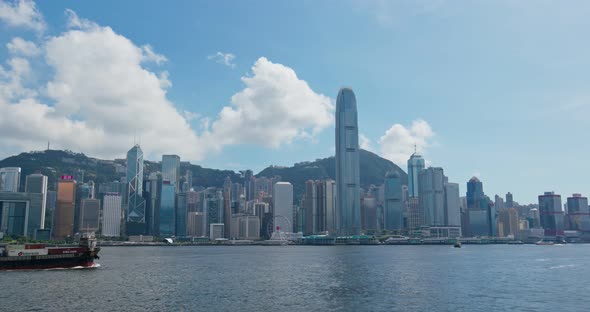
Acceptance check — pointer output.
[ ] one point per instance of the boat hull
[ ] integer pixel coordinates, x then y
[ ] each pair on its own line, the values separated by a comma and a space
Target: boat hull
48, 262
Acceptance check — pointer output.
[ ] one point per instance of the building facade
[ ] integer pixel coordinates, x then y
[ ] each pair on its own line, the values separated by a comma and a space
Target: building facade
64, 212
283, 206
135, 201
348, 203
112, 214
431, 194
551, 214
392, 207
415, 165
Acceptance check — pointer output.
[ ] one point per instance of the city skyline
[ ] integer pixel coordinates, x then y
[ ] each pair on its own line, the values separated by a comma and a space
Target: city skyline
417, 89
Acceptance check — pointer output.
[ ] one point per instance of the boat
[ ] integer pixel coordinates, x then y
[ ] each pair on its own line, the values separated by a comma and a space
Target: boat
545, 243
457, 244
39, 256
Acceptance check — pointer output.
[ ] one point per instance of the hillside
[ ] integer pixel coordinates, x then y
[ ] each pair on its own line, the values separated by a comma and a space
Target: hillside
55, 163
372, 168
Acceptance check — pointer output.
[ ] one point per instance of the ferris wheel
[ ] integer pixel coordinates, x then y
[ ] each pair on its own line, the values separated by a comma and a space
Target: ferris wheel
277, 227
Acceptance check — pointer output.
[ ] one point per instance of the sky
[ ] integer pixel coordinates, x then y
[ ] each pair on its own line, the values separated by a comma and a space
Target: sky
493, 89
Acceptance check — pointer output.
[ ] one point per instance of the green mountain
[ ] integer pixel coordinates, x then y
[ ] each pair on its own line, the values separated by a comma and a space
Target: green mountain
55, 163
372, 168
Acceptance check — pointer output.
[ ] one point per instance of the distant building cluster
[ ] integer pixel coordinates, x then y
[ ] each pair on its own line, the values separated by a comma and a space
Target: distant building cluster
166, 203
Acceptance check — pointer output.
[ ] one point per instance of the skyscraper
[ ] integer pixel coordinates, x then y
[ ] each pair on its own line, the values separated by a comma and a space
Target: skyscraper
481, 213
171, 170
551, 214
415, 165
89, 215
64, 213
348, 203
509, 200
181, 213
37, 183
475, 195
283, 206
310, 208
167, 209
111, 214
578, 213
392, 209
431, 194
10, 179
452, 205
227, 185
135, 201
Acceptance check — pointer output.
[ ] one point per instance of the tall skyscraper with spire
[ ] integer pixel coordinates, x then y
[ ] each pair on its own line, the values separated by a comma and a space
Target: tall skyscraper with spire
415, 164
348, 203
135, 201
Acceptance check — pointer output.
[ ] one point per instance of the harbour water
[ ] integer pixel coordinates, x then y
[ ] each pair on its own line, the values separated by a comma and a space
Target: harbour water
312, 278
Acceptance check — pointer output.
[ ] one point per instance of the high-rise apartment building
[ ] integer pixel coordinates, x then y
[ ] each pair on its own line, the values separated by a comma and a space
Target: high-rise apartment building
348, 203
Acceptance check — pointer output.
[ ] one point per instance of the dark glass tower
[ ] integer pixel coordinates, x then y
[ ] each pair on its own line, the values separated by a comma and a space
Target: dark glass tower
348, 203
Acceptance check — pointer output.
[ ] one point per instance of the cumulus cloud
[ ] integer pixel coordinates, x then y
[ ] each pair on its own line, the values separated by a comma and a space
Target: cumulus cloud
223, 58
364, 142
101, 93
274, 108
19, 46
397, 144
23, 14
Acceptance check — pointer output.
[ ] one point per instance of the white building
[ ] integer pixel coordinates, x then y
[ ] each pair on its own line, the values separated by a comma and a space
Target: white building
216, 230
283, 205
111, 215
9, 179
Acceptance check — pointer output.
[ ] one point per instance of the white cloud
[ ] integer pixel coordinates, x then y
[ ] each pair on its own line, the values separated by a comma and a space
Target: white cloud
223, 58
364, 142
101, 94
274, 108
150, 56
75, 22
23, 13
190, 116
397, 144
19, 46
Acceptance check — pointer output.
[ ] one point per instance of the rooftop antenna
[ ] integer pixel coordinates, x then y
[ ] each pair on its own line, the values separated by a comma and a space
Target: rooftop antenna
134, 137
415, 149
47, 145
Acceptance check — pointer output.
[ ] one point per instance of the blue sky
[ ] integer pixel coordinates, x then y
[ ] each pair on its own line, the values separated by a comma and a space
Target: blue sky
497, 89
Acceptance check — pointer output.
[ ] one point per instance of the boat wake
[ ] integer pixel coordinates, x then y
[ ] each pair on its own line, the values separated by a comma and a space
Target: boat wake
562, 266
94, 266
